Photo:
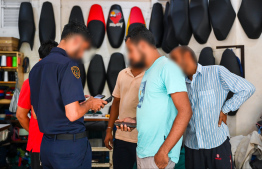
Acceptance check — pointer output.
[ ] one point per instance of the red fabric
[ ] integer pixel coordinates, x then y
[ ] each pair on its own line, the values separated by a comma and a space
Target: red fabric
9, 61
35, 136
96, 13
136, 16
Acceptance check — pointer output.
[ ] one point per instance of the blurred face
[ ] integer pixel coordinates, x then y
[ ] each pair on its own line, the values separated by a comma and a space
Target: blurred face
136, 55
77, 46
181, 60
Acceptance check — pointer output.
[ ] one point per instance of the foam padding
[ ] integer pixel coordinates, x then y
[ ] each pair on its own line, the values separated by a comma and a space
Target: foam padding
76, 14
179, 11
135, 19
96, 75
169, 41
206, 57
222, 16
199, 19
250, 17
230, 62
47, 28
116, 64
96, 25
26, 24
115, 26
82, 73
156, 25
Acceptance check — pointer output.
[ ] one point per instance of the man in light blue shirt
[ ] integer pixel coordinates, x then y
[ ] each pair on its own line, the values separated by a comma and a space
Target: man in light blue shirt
163, 111
207, 135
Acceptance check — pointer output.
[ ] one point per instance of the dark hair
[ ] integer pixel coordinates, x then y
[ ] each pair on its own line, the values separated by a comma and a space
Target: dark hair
141, 33
46, 48
184, 49
75, 27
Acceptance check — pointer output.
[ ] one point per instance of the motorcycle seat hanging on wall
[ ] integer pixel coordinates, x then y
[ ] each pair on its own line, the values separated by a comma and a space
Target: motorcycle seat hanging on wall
230, 62
222, 16
156, 25
26, 24
199, 19
135, 19
250, 17
47, 27
115, 26
206, 57
169, 41
96, 25
116, 64
76, 14
179, 11
96, 75
82, 72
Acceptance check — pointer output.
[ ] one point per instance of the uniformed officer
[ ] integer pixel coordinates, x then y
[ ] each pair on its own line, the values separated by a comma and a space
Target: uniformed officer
59, 102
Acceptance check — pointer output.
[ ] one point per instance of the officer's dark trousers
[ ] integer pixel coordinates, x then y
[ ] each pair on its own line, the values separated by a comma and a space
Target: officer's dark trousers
65, 154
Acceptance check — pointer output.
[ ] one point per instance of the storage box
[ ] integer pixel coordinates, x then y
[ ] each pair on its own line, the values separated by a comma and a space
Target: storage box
9, 44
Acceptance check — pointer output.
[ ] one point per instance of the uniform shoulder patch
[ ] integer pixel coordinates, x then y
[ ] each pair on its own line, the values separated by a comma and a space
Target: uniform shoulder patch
75, 71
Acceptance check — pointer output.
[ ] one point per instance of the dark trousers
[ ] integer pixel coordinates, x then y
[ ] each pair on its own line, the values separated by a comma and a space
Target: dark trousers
35, 160
124, 154
65, 154
215, 158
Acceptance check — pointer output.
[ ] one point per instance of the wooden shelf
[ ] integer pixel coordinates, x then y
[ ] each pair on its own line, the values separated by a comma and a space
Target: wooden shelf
5, 101
9, 68
10, 82
19, 141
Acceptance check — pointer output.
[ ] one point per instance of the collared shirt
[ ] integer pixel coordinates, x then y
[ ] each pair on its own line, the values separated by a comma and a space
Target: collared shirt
207, 93
126, 89
54, 83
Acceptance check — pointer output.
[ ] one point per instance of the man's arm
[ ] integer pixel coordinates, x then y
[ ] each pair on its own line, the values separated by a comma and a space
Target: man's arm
76, 110
22, 117
114, 113
241, 88
183, 117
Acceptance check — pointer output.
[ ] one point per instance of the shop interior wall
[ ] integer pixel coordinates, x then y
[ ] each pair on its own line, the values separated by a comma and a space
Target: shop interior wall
250, 112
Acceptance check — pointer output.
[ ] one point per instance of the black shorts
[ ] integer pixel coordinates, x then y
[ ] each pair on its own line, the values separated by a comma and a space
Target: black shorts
215, 158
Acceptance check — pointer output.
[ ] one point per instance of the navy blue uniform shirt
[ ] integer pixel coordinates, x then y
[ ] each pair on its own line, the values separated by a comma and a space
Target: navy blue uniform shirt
55, 82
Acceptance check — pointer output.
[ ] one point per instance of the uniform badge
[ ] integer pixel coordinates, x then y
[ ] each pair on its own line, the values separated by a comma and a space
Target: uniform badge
76, 71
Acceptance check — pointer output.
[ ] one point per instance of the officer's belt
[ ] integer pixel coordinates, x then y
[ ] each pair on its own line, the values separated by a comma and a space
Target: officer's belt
67, 136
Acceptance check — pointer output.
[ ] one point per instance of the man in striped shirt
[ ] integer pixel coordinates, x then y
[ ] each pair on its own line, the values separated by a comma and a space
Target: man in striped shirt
207, 135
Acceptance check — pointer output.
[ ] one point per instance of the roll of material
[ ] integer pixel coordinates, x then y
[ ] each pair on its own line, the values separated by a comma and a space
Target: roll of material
9, 61
222, 16
135, 19
156, 25
14, 62
76, 14
96, 75
115, 26
199, 19
179, 18
96, 25
1, 75
230, 62
6, 76
206, 57
250, 17
116, 64
169, 40
3, 60
47, 27
26, 24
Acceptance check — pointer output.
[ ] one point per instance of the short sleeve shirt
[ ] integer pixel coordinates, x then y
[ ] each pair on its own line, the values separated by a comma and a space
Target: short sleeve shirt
55, 82
126, 89
35, 136
156, 111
